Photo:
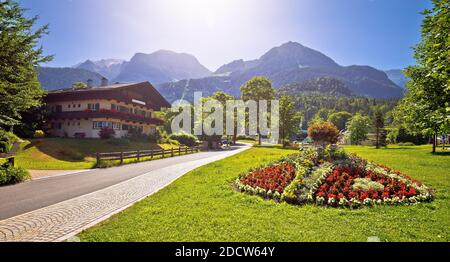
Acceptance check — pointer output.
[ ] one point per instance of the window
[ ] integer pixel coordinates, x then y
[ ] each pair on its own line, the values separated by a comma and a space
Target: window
58, 109
125, 127
114, 107
116, 126
123, 109
68, 106
68, 123
101, 124
59, 125
94, 107
79, 105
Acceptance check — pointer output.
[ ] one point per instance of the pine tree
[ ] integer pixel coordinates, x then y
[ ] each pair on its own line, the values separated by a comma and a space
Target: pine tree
20, 89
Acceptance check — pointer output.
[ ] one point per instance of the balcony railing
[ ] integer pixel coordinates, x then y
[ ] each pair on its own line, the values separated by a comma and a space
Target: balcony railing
104, 113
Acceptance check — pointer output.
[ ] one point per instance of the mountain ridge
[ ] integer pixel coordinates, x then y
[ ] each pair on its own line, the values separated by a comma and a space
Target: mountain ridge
178, 75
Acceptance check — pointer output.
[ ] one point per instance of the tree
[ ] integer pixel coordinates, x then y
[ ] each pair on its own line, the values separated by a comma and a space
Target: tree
339, 119
223, 97
380, 134
323, 133
426, 105
20, 89
79, 85
289, 118
258, 88
358, 127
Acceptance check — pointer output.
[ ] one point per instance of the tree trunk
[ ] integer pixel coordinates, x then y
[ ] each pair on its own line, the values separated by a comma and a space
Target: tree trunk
377, 138
259, 139
434, 143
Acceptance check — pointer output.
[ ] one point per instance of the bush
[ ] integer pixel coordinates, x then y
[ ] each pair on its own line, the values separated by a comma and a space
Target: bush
172, 142
323, 133
406, 144
184, 138
39, 134
251, 138
7, 139
104, 164
11, 175
106, 133
119, 141
155, 137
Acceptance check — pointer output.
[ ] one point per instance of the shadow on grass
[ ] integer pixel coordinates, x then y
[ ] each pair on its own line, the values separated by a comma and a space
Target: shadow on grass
78, 150
441, 153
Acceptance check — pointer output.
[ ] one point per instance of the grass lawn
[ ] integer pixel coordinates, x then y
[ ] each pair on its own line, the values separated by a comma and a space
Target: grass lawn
70, 154
202, 206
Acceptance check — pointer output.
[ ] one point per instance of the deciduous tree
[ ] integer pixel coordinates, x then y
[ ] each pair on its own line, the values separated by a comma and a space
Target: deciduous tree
258, 88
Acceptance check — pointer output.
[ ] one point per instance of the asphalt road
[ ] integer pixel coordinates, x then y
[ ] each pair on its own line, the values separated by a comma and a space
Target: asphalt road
25, 197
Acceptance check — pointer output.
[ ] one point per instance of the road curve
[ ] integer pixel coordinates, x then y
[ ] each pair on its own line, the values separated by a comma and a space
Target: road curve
60, 221
22, 198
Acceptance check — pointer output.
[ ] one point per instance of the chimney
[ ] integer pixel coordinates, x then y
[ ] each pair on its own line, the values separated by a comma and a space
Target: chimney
104, 81
89, 83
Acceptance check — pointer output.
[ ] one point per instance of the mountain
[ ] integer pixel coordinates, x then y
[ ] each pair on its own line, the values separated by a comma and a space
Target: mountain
397, 76
322, 85
110, 68
284, 65
236, 66
52, 78
160, 67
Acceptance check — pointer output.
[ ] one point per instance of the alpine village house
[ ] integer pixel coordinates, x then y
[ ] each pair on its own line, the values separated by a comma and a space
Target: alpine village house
83, 112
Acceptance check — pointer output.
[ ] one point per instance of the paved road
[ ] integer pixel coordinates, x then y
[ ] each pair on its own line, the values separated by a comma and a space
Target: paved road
29, 196
65, 219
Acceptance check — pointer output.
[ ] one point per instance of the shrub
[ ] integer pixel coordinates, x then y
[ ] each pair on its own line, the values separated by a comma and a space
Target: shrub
243, 137
11, 175
104, 164
406, 144
7, 139
155, 137
184, 138
323, 133
5, 147
172, 142
39, 134
106, 133
119, 141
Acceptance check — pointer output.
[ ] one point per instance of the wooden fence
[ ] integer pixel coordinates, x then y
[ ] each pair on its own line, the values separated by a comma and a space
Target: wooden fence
139, 154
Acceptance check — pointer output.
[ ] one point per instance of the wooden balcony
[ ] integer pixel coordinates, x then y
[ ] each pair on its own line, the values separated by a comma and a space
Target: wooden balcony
102, 113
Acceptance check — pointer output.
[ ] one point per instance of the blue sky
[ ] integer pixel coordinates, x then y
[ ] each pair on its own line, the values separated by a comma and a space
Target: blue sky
379, 33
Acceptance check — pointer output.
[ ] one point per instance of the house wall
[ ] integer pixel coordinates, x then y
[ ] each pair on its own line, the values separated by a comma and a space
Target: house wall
69, 128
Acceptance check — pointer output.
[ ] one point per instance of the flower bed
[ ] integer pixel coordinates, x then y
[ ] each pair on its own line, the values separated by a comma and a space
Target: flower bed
269, 181
332, 178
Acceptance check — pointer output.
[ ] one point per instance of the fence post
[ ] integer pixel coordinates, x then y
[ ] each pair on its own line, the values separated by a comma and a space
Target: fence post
151, 154
121, 158
173, 153
186, 149
163, 152
139, 155
179, 150
98, 157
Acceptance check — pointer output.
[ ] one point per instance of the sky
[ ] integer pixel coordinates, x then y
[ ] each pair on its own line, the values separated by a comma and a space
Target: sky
379, 33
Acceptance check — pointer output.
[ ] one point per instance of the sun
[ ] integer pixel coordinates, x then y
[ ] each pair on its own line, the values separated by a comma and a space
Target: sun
207, 11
